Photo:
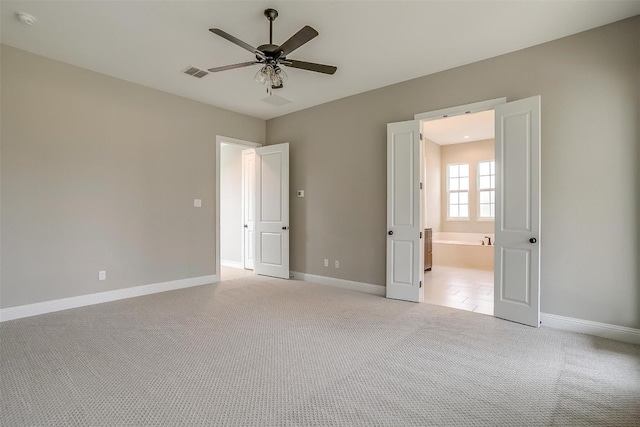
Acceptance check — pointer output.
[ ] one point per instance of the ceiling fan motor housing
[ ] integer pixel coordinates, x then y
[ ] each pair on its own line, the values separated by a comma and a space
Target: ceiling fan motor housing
271, 51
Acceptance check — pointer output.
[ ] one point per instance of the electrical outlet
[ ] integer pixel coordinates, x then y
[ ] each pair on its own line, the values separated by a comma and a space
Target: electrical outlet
300, 193
337, 264
197, 203
326, 262
102, 275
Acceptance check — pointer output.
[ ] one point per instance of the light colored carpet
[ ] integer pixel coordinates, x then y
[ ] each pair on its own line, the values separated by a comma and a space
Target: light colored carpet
260, 352
231, 273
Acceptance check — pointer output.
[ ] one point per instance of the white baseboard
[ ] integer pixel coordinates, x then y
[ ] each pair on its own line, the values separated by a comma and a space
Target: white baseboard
232, 264
605, 330
341, 283
28, 310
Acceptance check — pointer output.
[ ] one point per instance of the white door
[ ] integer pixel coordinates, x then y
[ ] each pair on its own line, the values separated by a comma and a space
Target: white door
248, 206
405, 249
517, 222
272, 211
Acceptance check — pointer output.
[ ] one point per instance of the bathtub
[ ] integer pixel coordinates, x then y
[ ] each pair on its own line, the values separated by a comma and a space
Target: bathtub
462, 250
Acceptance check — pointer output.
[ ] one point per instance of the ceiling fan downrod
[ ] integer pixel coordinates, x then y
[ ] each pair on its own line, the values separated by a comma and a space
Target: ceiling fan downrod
271, 15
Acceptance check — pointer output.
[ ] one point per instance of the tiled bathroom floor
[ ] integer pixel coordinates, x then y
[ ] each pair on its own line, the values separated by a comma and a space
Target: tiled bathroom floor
465, 289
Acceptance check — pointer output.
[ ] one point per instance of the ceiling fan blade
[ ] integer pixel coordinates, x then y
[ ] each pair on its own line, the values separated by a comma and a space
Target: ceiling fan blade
236, 41
310, 66
231, 67
297, 40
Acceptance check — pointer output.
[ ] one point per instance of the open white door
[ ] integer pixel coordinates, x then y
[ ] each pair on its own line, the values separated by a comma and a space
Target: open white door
517, 251
405, 249
272, 211
248, 206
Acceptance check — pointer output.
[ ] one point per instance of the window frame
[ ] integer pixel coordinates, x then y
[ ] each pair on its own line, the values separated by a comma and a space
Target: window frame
481, 189
449, 191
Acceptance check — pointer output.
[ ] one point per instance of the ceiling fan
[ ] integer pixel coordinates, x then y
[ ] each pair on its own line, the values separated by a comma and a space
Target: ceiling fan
273, 56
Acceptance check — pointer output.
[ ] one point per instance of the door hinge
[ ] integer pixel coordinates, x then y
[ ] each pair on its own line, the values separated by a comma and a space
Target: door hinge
420, 283
421, 234
420, 136
421, 186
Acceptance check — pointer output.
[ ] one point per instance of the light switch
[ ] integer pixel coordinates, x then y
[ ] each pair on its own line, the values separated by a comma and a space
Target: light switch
197, 203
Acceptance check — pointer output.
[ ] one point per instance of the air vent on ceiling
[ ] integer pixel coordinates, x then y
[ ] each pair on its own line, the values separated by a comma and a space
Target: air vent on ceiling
276, 100
195, 71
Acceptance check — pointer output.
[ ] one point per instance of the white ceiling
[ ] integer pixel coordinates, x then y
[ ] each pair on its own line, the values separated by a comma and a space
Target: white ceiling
462, 128
373, 43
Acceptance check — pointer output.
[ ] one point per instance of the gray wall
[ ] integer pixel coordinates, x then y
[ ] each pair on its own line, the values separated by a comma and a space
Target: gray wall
590, 91
100, 174
231, 230
432, 187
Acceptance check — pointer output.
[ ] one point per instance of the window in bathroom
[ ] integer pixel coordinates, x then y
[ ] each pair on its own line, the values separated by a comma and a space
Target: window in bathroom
487, 189
458, 190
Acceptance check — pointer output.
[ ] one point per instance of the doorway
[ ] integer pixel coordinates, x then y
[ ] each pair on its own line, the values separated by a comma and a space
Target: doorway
517, 206
459, 211
232, 205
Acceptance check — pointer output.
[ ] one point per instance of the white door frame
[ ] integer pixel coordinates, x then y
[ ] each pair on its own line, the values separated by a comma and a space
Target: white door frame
248, 207
475, 107
219, 140
460, 110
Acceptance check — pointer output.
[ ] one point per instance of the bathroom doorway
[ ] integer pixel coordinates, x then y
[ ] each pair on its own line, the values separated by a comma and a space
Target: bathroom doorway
516, 203
459, 211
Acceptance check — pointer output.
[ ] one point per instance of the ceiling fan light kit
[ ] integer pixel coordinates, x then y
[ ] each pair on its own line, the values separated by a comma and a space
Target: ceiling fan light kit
273, 57
272, 74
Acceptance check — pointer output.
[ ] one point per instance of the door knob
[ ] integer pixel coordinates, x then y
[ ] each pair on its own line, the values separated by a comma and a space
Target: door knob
532, 240
285, 227
390, 233
246, 226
